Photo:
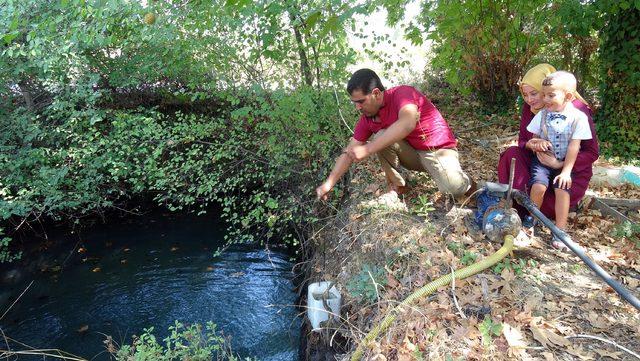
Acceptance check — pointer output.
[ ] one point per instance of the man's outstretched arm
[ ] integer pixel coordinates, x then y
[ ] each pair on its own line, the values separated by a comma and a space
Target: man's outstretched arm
408, 117
339, 169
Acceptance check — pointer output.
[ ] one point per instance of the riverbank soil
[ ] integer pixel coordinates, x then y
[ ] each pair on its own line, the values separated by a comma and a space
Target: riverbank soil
537, 304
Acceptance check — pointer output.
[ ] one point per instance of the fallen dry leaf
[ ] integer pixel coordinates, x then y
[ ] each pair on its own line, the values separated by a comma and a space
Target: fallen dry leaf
539, 336
513, 335
605, 353
578, 351
598, 321
547, 337
392, 281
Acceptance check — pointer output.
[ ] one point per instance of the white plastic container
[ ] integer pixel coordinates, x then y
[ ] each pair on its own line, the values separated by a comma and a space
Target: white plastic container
315, 307
615, 176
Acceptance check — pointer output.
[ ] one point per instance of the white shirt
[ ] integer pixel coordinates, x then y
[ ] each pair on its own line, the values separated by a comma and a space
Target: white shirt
559, 131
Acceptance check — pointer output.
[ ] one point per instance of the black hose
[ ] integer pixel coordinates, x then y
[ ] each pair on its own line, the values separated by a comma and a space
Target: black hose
524, 201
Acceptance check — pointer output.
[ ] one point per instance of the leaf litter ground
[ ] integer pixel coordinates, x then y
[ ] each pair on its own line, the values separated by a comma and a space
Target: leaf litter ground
530, 306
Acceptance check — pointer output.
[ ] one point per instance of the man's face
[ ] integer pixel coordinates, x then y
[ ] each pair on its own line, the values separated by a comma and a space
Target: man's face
368, 104
555, 99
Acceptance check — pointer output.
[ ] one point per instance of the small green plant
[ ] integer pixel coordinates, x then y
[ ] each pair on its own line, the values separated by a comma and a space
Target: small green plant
455, 247
517, 265
629, 231
489, 329
183, 343
468, 258
366, 284
424, 206
575, 268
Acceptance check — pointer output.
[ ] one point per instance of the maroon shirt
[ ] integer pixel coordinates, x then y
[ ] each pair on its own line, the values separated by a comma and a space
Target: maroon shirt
431, 132
580, 174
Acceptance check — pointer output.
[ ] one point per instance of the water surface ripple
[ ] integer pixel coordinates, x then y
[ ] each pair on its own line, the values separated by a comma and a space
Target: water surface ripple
153, 271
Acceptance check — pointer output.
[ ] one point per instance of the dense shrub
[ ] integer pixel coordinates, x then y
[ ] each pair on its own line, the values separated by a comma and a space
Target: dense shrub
100, 105
618, 121
258, 159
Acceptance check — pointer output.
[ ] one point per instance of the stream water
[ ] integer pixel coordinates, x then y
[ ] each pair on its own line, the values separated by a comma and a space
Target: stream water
150, 271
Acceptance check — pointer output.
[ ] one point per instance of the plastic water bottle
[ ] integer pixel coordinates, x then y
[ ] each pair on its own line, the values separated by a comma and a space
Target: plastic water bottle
316, 311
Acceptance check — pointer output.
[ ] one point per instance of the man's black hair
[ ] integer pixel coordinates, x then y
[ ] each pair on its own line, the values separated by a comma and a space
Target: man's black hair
364, 80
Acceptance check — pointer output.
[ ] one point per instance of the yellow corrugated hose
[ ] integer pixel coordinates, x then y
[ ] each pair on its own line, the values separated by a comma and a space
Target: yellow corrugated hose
432, 287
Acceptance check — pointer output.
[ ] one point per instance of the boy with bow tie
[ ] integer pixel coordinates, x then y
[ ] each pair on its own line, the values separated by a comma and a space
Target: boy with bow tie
560, 127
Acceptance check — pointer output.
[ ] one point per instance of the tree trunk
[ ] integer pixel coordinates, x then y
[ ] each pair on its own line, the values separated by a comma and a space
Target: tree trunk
305, 70
26, 95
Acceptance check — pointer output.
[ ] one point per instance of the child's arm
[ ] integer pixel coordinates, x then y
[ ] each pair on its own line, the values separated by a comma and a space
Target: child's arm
564, 178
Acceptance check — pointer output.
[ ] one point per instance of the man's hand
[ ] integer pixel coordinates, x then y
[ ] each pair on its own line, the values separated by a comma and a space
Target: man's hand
323, 190
564, 180
358, 153
549, 160
539, 145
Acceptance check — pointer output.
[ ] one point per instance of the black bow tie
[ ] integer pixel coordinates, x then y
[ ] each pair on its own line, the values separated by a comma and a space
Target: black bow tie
553, 116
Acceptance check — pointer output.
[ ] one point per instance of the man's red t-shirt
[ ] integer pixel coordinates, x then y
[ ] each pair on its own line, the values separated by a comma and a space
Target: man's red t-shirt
432, 131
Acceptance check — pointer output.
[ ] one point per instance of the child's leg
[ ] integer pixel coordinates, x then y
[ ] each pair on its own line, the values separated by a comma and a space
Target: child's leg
537, 193
539, 181
562, 208
562, 213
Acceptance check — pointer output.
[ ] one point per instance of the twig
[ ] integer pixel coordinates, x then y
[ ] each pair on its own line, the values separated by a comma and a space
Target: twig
44, 353
375, 285
4, 337
453, 293
23, 220
14, 302
71, 253
606, 341
335, 93
340, 111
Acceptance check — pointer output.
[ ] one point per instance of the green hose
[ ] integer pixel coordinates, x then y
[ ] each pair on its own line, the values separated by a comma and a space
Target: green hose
432, 287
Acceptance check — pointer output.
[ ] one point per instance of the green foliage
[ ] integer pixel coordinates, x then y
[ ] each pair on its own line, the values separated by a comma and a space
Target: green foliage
489, 329
184, 343
424, 205
575, 268
468, 258
629, 231
455, 247
366, 284
98, 107
485, 45
617, 122
517, 265
5, 254
572, 41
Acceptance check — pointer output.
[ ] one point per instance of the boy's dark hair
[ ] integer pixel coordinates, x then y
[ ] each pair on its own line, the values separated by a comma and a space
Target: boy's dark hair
364, 80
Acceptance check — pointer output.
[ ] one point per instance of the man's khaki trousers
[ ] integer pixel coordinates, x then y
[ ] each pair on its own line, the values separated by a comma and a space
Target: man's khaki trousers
443, 166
